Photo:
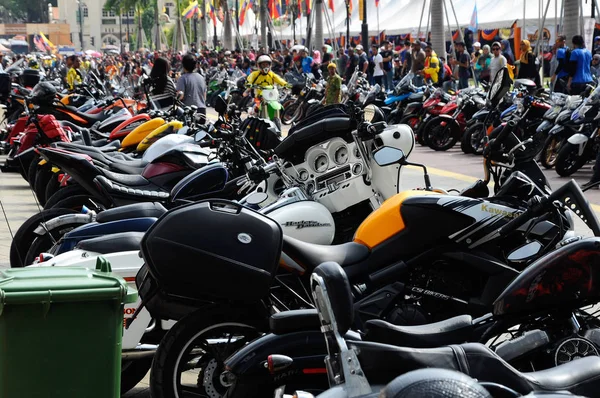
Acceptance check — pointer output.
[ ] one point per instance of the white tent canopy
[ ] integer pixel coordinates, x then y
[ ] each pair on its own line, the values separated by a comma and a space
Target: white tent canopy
402, 16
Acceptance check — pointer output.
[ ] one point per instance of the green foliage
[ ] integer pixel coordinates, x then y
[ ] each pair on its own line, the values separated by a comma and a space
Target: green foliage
26, 10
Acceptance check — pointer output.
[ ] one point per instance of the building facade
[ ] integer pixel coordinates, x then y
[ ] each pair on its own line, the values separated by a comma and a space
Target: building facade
97, 27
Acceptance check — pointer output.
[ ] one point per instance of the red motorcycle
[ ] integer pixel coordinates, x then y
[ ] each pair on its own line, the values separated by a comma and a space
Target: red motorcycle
444, 130
417, 114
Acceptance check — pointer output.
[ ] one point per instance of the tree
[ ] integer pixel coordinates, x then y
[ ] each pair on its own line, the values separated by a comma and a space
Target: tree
571, 20
25, 10
438, 41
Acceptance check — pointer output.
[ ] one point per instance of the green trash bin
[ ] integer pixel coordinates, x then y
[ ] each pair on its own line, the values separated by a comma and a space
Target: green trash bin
60, 332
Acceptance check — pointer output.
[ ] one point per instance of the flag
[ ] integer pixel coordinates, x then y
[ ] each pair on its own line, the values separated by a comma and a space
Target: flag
46, 42
473, 23
331, 5
211, 12
275, 8
376, 3
190, 10
308, 7
243, 5
349, 6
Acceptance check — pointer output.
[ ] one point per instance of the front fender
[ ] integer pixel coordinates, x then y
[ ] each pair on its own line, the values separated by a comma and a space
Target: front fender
577, 139
64, 220
306, 348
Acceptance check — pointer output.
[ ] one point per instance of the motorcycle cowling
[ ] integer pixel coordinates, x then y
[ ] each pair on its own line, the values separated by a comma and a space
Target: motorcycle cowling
307, 221
208, 179
480, 115
566, 277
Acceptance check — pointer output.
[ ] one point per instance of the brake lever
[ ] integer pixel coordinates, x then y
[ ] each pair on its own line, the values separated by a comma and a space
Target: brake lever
519, 145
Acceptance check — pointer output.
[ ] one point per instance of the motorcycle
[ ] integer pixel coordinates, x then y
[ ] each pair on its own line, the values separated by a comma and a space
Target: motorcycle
582, 146
267, 105
308, 97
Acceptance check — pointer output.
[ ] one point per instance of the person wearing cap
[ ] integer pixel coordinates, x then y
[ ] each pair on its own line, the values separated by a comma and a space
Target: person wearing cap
474, 57
417, 62
498, 60
307, 61
333, 90
595, 67
363, 61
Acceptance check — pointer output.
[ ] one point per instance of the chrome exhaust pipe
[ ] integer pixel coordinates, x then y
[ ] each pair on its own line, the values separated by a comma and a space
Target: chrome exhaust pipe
139, 352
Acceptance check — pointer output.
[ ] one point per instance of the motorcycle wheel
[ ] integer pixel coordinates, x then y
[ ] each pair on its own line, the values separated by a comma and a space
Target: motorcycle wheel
413, 121
77, 202
133, 371
25, 235
64, 193
442, 138
292, 113
550, 151
52, 187
185, 347
474, 139
42, 178
568, 160
43, 243
32, 171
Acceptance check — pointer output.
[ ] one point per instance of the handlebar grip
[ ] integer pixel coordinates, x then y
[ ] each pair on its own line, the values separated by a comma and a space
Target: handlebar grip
504, 133
536, 205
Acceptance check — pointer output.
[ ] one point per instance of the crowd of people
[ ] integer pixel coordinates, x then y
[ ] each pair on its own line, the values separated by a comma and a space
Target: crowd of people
572, 67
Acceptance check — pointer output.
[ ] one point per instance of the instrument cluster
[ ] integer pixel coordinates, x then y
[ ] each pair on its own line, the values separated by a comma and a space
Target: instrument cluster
330, 168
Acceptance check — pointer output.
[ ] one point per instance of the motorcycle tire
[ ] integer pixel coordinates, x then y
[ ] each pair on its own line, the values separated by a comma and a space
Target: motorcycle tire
43, 243
32, 170
440, 137
64, 193
550, 151
413, 122
77, 202
52, 187
133, 371
292, 113
179, 340
25, 235
472, 139
42, 178
568, 160
277, 122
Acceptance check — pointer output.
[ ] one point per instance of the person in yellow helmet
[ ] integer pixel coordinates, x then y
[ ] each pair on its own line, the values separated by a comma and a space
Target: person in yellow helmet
264, 76
73, 75
432, 65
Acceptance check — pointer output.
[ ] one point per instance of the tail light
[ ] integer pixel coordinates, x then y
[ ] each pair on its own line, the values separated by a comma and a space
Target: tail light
276, 363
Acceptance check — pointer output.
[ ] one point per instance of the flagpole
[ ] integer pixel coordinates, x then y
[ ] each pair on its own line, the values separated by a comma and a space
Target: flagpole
378, 31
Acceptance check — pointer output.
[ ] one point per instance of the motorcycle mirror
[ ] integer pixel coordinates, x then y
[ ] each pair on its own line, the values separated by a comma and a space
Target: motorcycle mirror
388, 155
220, 105
200, 135
256, 198
183, 130
525, 252
180, 95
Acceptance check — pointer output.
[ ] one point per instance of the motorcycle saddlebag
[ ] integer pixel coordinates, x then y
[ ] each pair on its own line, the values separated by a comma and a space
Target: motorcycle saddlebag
206, 251
4, 86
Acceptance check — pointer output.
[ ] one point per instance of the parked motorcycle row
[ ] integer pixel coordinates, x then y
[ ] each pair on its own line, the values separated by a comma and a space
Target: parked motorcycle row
301, 265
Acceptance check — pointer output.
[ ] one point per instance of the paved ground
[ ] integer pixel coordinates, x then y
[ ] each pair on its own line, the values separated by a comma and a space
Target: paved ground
450, 169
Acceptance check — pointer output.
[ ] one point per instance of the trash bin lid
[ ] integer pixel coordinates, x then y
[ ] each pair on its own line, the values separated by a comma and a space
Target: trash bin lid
62, 284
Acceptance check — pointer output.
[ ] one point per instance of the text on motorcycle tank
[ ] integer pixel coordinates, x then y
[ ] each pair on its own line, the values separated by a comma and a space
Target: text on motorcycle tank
386, 221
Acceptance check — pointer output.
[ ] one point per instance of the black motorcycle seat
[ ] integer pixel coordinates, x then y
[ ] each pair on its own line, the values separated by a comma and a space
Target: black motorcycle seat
311, 255
568, 376
149, 192
382, 363
302, 139
136, 210
131, 180
450, 331
82, 148
114, 243
136, 167
294, 321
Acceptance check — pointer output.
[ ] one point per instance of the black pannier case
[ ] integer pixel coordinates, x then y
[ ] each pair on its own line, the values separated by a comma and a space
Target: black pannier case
30, 77
4, 86
214, 250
